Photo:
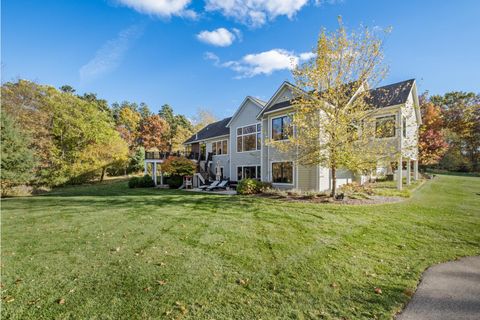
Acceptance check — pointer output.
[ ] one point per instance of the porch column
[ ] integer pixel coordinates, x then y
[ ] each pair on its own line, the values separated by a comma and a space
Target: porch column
146, 168
415, 169
409, 173
155, 173
161, 176
399, 173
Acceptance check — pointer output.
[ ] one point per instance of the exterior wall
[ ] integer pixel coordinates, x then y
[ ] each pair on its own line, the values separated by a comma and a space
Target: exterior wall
271, 154
223, 160
247, 115
410, 143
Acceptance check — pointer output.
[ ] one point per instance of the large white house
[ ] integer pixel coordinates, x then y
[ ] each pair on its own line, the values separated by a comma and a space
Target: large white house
236, 147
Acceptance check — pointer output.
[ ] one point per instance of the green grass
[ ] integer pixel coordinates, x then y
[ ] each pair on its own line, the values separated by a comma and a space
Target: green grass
102, 249
389, 188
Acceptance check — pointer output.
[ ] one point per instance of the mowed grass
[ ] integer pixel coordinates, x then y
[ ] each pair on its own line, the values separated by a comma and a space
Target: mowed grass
116, 253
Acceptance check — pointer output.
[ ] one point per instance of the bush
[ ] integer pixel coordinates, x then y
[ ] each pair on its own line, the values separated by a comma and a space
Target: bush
174, 182
179, 166
252, 186
141, 182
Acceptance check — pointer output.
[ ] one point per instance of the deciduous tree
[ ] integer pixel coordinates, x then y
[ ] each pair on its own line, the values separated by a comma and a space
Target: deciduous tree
17, 160
154, 133
432, 144
331, 106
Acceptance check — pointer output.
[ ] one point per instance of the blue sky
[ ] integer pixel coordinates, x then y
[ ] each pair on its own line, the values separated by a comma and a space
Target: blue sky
210, 54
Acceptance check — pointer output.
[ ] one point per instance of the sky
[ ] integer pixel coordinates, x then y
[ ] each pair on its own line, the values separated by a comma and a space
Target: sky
210, 54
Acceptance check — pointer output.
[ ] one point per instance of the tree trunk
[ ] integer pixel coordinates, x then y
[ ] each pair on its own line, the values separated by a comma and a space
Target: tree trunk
334, 181
103, 174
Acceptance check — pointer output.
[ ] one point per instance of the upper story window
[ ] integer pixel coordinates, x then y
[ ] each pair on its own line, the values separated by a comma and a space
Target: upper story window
385, 127
220, 147
281, 128
249, 138
404, 127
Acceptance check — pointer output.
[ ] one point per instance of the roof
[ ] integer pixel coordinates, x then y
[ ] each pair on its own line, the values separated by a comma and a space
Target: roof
381, 97
212, 130
390, 95
260, 102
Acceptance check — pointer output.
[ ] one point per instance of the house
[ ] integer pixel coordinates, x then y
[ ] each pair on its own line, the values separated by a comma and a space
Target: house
236, 147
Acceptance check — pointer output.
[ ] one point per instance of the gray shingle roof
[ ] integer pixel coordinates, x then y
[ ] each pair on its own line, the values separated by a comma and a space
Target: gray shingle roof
212, 130
381, 97
390, 95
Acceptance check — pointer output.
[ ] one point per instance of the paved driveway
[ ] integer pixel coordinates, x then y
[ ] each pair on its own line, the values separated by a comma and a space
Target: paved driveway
447, 291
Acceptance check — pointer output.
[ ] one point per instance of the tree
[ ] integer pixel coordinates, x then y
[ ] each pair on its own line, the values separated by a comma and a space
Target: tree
111, 150
67, 89
25, 102
461, 114
17, 160
331, 109
179, 126
179, 166
67, 131
203, 118
432, 143
154, 133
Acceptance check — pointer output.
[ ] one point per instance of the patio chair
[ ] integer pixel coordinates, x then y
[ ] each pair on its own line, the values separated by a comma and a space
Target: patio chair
213, 184
221, 185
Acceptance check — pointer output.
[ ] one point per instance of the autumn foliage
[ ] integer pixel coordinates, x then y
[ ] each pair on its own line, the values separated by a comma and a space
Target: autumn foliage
432, 144
154, 132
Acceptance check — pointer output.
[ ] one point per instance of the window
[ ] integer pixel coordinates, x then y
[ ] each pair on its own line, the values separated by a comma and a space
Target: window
248, 172
219, 147
249, 138
385, 127
404, 127
282, 172
281, 128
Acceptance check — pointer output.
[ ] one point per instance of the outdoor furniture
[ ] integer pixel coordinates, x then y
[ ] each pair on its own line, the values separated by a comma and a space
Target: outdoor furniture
221, 185
212, 185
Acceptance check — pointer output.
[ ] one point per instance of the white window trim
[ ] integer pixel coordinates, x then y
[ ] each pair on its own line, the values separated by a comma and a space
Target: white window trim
294, 174
242, 135
216, 141
249, 165
271, 126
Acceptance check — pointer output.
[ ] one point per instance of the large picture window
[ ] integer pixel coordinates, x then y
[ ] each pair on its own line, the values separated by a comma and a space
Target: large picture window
249, 138
282, 172
248, 172
220, 147
281, 128
385, 127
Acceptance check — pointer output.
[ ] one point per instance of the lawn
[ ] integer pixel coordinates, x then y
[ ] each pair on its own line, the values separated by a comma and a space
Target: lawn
109, 252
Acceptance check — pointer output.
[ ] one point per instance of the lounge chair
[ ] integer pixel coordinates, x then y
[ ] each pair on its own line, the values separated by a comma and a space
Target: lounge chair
221, 185
213, 184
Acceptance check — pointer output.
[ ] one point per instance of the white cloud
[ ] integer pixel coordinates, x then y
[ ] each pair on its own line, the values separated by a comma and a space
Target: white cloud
220, 37
109, 56
162, 8
265, 62
255, 13
307, 55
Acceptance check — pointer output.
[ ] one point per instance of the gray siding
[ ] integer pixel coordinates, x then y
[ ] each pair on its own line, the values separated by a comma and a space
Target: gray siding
247, 115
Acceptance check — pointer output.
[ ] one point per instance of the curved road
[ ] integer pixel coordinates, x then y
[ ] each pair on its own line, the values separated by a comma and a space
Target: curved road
447, 291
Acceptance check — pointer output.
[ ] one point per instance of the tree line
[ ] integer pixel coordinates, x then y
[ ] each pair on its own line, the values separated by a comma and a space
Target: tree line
450, 134
53, 137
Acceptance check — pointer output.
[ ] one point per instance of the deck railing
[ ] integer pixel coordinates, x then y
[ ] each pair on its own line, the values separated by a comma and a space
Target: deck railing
157, 155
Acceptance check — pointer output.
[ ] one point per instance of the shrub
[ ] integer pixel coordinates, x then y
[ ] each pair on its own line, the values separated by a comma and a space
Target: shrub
174, 181
179, 166
252, 186
141, 182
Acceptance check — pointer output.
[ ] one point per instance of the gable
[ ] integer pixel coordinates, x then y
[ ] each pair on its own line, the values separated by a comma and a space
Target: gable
281, 99
250, 105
